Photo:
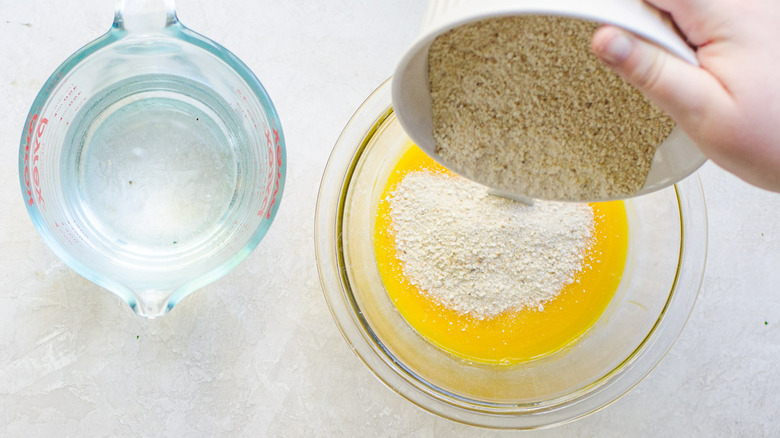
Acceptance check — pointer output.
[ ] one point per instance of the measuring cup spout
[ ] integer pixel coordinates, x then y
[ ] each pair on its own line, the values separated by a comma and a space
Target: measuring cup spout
152, 303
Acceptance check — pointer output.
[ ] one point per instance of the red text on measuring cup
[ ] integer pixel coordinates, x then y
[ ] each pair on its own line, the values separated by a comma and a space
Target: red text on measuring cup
35, 184
272, 187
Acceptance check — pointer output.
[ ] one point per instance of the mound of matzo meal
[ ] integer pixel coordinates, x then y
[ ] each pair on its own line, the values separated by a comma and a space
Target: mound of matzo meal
521, 104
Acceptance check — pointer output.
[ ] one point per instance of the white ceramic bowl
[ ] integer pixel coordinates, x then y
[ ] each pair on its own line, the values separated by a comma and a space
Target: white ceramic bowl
676, 158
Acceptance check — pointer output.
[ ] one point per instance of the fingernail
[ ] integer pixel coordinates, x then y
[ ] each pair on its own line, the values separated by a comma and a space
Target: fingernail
616, 49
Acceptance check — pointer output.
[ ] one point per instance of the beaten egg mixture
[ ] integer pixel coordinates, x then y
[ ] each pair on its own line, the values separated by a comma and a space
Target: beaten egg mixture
517, 335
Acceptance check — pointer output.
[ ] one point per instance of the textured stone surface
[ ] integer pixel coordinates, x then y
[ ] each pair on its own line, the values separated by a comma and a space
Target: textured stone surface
257, 352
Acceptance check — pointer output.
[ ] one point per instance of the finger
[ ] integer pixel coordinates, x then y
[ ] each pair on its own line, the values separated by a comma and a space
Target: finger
680, 6
698, 20
687, 93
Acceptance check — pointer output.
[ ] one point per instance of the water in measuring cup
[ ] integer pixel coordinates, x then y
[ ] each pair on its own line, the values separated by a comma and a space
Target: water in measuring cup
157, 167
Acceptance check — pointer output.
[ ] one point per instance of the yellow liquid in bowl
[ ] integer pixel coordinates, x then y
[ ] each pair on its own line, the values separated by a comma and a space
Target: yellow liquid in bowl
513, 336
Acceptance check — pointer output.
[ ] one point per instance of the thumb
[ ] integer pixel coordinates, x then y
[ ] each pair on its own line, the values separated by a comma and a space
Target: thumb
686, 92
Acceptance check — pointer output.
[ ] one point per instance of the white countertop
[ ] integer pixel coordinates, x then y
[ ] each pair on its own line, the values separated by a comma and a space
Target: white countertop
257, 352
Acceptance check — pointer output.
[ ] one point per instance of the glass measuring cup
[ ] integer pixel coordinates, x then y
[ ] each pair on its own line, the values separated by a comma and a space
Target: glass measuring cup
152, 161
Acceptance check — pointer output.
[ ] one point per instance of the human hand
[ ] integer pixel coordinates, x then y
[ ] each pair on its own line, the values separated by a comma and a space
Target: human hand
730, 104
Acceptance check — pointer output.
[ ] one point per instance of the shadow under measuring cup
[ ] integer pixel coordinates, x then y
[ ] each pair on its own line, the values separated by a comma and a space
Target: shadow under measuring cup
152, 161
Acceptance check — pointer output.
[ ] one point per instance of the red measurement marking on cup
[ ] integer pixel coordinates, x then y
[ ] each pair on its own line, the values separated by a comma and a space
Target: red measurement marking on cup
269, 176
272, 179
33, 148
278, 144
54, 81
71, 232
247, 111
68, 104
65, 102
76, 102
241, 229
274, 154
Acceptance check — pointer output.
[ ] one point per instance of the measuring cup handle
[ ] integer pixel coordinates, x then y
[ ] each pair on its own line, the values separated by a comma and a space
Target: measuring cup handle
143, 16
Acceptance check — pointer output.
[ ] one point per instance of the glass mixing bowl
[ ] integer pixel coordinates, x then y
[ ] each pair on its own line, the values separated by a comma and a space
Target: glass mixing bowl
663, 273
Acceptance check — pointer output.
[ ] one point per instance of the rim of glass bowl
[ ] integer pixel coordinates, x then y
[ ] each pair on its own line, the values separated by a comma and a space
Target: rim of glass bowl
346, 154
